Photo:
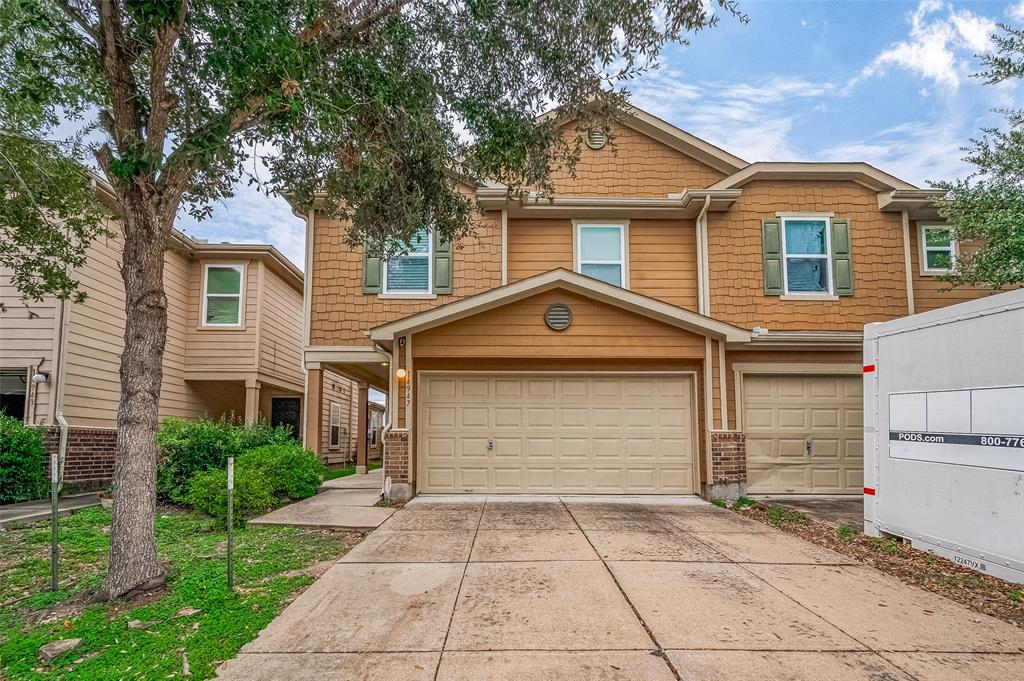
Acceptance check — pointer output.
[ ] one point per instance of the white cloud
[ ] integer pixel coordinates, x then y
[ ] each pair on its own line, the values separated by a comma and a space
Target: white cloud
252, 217
1016, 11
940, 46
751, 119
917, 152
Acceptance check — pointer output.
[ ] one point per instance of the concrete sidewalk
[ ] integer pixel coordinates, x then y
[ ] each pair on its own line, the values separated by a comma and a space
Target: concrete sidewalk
33, 511
571, 589
346, 503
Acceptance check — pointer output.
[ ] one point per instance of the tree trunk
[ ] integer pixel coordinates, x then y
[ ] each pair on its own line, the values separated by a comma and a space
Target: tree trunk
133, 557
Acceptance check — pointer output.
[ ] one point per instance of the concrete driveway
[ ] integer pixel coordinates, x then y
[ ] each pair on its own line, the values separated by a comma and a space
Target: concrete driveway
575, 589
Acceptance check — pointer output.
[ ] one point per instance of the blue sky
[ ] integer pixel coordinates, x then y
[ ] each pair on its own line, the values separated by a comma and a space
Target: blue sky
886, 82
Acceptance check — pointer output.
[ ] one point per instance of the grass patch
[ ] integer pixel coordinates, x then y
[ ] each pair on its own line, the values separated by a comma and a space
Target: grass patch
780, 515
269, 570
1015, 595
743, 502
720, 503
846, 532
334, 473
888, 546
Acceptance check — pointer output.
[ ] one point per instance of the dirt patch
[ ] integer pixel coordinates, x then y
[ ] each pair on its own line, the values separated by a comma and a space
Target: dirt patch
982, 593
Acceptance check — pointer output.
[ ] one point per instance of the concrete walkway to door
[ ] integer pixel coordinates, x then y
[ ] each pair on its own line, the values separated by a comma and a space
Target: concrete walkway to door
347, 503
576, 589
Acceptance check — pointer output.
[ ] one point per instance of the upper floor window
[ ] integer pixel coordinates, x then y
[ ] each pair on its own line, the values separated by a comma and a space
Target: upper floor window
807, 250
938, 249
412, 272
222, 297
601, 252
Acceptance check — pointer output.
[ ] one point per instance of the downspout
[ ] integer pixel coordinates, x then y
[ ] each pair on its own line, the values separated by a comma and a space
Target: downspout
62, 449
908, 271
703, 303
703, 298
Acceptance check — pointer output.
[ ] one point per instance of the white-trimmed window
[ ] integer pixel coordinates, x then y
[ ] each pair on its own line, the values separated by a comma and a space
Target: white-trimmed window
412, 272
334, 432
938, 249
807, 256
601, 252
222, 295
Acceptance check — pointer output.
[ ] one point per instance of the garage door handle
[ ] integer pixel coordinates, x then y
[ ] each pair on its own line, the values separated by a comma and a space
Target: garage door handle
808, 445
490, 445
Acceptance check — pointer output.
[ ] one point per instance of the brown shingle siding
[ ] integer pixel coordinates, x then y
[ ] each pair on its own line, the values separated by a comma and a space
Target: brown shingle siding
636, 165
734, 253
340, 311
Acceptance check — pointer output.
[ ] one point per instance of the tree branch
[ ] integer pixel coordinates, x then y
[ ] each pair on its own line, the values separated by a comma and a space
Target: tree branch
79, 18
162, 102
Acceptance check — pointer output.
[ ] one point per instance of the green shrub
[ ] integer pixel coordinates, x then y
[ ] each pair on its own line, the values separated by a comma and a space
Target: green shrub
191, 446
265, 478
253, 494
22, 461
297, 473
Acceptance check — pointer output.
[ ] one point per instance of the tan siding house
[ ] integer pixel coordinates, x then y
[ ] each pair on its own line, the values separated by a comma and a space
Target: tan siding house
234, 347
672, 319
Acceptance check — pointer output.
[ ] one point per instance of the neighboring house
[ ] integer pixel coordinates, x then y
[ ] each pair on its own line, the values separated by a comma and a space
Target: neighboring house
233, 349
673, 320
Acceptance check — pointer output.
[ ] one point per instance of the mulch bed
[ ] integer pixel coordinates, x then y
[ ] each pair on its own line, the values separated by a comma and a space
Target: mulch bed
982, 593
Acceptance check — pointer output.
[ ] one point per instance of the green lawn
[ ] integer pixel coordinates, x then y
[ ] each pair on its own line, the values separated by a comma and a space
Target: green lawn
332, 473
269, 563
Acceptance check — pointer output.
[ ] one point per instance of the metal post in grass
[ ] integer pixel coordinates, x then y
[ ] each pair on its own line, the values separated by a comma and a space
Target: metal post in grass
54, 544
231, 522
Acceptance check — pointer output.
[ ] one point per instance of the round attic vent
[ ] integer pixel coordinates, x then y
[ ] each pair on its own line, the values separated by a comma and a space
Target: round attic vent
558, 317
596, 138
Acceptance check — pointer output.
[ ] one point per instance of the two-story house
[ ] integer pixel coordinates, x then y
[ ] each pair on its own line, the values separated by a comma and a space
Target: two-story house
234, 345
673, 320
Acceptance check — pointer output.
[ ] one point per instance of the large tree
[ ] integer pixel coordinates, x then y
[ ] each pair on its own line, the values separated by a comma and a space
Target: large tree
382, 106
987, 208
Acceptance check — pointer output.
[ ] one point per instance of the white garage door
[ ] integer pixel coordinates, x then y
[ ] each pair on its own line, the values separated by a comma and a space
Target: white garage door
804, 434
551, 433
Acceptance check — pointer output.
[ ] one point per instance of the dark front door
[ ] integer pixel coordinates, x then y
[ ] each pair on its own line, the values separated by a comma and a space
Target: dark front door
286, 411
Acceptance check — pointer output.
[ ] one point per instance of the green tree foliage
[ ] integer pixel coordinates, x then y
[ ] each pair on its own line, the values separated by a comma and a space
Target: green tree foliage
22, 461
376, 108
988, 206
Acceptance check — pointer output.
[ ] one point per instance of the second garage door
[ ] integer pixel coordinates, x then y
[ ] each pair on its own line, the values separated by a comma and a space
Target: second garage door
804, 434
552, 433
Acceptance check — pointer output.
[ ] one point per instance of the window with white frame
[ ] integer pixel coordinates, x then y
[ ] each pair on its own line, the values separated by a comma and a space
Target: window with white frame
938, 249
222, 299
334, 434
411, 272
807, 255
601, 252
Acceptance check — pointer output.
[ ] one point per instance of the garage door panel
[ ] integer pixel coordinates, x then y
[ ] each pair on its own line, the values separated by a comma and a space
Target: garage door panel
782, 413
557, 433
473, 417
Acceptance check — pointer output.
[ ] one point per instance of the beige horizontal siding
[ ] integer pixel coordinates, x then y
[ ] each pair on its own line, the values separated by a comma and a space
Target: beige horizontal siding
222, 349
280, 330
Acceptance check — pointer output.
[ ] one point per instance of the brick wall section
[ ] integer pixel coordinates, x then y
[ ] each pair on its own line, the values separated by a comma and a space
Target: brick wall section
728, 457
89, 455
396, 455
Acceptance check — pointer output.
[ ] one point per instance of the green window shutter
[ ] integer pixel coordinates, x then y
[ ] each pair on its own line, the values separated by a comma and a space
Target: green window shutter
842, 258
771, 247
371, 274
442, 266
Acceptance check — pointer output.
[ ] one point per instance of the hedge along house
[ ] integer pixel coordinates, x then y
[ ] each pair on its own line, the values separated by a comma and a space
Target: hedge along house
673, 320
234, 345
